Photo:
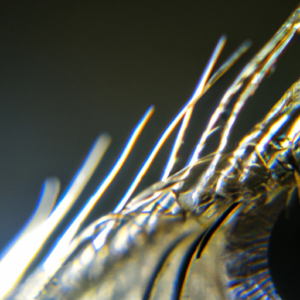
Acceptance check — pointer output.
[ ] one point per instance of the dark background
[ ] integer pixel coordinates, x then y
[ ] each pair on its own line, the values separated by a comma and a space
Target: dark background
70, 70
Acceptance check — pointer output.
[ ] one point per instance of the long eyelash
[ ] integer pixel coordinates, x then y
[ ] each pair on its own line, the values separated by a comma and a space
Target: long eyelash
181, 216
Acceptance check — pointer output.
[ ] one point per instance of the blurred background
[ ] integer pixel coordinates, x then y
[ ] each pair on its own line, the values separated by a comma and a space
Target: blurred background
70, 70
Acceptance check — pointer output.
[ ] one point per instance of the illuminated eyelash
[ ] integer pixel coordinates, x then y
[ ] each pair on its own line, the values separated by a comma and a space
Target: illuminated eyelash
203, 217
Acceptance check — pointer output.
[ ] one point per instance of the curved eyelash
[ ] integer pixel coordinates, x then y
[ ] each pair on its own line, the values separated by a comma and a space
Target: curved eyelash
43, 224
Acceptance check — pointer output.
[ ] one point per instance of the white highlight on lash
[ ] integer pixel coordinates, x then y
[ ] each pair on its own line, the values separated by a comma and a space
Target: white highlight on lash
26, 248
60, 251
30, 242
191, 103
38, 231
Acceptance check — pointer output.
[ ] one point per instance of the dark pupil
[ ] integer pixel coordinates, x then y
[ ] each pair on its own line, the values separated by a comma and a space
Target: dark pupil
284, 252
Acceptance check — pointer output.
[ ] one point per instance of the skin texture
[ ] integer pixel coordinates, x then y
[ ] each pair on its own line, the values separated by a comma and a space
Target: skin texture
116, 197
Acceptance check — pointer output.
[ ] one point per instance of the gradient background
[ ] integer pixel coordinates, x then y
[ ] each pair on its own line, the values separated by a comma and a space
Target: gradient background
70, 70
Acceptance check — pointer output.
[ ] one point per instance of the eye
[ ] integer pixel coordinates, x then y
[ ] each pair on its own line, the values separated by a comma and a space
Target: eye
284, 250
199, 223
